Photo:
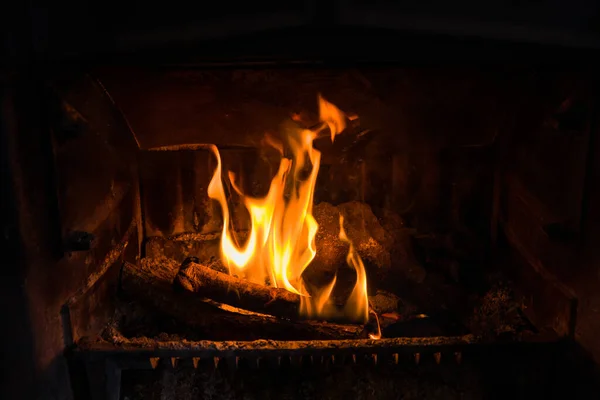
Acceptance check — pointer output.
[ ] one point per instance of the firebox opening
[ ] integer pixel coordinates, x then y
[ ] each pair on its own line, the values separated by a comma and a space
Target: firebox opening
307, 215
403, 156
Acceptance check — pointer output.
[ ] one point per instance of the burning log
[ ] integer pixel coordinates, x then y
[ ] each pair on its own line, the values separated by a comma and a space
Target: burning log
197, 278
151, 282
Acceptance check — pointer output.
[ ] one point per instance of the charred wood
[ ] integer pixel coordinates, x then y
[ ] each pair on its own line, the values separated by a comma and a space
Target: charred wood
151, 283
224, 288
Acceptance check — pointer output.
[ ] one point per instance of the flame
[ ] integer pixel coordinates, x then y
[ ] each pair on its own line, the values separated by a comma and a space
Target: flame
332, 116
356, 307
376, 335
281, 242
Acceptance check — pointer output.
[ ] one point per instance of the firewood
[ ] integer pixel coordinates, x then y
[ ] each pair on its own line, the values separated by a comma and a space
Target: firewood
224, 288
150, 283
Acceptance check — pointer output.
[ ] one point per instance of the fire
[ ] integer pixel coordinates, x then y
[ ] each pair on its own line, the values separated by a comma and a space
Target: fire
281, 241
357, 304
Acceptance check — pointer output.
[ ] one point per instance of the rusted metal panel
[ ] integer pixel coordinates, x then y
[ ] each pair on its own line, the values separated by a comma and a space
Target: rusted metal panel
174, 187
87, 312
44, 157
94, 152
530, 224
174, 191
548, 303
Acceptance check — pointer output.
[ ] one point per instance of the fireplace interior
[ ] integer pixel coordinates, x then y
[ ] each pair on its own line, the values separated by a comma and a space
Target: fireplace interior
309, 229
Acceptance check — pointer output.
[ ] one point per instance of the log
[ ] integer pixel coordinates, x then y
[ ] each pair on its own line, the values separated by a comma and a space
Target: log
151, 283
224, 288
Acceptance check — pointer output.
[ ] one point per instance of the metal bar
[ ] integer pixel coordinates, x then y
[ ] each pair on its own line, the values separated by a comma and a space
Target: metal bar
193, 147
145, 347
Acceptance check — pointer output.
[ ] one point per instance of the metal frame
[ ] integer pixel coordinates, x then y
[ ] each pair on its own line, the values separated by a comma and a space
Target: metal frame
105, 361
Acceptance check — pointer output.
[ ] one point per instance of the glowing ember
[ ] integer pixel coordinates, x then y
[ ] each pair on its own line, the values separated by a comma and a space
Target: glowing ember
281, 242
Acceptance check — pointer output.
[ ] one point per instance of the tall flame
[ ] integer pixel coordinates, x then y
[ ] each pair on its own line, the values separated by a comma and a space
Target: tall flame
281, 242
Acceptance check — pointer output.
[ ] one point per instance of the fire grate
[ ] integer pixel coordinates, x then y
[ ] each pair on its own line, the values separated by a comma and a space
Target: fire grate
104, 361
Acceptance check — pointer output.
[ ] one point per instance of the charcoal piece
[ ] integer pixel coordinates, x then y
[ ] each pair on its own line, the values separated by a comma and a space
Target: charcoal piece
497, 313
331, 251
384, 302
368, 237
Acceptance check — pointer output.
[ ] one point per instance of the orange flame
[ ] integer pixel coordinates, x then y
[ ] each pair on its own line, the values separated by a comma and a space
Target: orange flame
281, 242
332, 116
375, 335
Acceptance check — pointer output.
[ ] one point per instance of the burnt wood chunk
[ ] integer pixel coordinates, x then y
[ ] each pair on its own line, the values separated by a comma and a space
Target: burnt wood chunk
370, 240
197, 278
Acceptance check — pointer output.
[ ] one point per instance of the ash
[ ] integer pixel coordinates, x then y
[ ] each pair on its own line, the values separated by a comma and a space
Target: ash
497, 313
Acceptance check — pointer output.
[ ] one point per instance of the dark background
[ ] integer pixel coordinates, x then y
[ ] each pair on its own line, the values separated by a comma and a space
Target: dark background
40, 38
95, 30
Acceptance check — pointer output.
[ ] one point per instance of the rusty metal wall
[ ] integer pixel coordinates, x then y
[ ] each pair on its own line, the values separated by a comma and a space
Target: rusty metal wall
391, 157
73, 179
548, 205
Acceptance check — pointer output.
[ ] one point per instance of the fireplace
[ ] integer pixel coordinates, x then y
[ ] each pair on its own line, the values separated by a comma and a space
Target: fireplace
203, 226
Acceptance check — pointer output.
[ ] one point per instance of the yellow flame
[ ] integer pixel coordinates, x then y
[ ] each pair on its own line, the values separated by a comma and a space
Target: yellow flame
357, 306
332, 116
281, 242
